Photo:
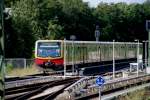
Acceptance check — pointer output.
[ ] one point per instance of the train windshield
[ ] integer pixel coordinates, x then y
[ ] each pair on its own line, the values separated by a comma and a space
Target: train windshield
49, 49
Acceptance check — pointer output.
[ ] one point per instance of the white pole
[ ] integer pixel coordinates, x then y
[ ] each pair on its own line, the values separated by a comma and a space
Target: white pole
65, 58
113, 59
72, 57
99, 93
145, 56
138, 58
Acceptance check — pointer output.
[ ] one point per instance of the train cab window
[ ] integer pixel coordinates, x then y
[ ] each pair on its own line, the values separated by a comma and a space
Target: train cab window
49, 49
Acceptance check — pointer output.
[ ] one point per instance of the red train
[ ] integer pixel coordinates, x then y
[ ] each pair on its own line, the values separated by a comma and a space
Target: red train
49, 53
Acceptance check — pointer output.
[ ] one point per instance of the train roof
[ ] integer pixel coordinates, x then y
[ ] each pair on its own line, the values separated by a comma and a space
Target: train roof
90, 42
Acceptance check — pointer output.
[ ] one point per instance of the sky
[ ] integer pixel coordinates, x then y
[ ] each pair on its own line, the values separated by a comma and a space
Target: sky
94, 3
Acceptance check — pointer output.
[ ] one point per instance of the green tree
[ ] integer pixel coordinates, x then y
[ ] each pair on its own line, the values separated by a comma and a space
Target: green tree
24, 29
77, 19
55, 30
58, 19
123, 22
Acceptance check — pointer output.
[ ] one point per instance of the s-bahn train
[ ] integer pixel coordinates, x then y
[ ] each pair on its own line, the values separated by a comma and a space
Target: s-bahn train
49, 53
53, 53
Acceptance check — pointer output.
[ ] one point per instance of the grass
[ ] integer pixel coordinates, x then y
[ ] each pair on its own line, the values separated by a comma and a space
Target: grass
143, 94
22, 71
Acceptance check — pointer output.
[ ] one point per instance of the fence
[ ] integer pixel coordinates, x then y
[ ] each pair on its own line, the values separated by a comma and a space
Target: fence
19, 62
16, 65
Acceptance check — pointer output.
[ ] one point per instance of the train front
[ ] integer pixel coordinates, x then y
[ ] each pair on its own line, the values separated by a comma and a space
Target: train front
48, 53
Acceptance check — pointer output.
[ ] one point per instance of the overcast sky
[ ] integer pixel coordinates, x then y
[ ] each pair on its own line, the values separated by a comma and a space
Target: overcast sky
94, 3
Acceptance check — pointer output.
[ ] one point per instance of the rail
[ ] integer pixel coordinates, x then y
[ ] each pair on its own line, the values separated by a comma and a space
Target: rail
27, 92
31, 81
85, 87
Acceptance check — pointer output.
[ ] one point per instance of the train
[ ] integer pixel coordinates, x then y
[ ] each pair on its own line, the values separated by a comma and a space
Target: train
49, 53
55, 53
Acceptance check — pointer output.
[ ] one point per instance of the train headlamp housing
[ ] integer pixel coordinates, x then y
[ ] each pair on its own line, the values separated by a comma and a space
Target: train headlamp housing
48, 64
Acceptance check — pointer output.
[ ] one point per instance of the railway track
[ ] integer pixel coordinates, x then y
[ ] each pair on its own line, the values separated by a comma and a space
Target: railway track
54, 94
19, 90
61, 72
26, 92
9, 79
86, 88
18, 82
110, 94
29, 87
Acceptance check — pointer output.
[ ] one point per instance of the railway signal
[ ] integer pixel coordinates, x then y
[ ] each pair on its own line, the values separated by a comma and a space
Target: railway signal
97, 33
100, 81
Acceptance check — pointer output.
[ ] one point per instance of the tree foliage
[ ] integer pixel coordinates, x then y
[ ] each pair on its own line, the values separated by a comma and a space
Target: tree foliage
58, 19
22, 29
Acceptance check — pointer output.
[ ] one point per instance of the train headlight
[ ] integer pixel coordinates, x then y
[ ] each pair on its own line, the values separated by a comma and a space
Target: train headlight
48, 64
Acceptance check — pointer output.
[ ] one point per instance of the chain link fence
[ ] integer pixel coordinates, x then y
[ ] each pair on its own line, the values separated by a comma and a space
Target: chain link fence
20, 66
19, 62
